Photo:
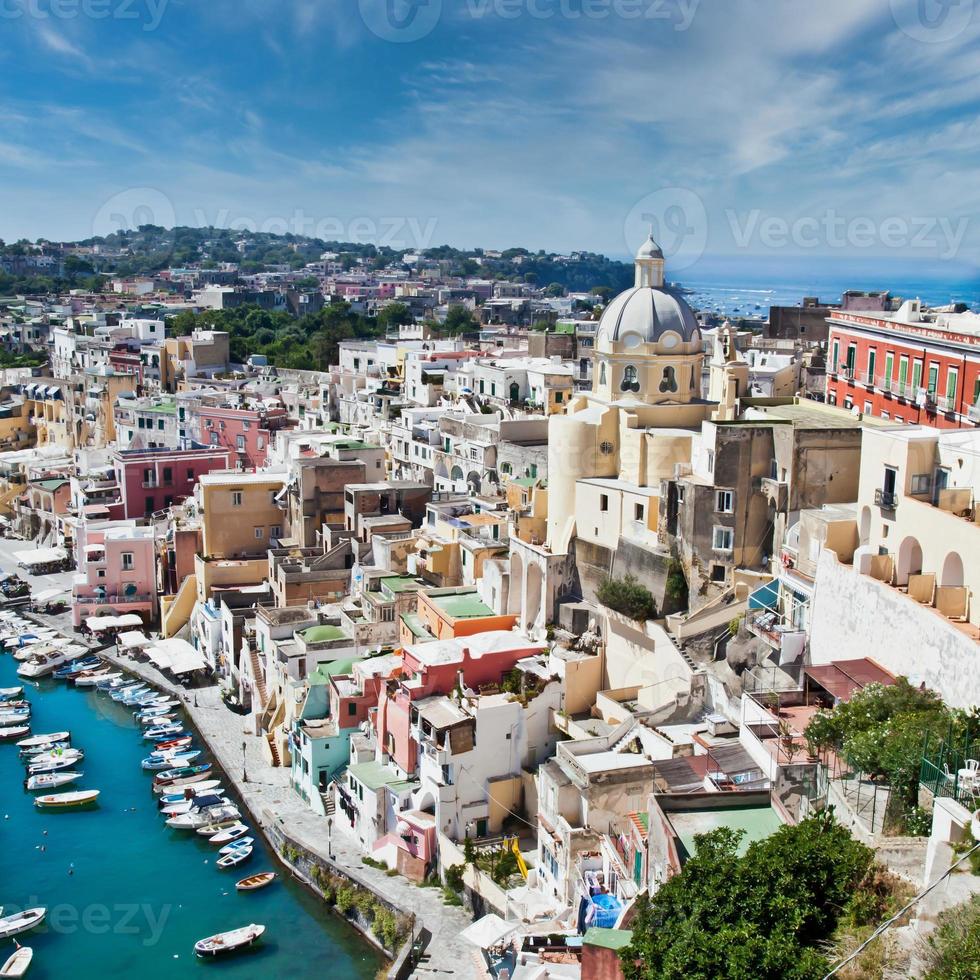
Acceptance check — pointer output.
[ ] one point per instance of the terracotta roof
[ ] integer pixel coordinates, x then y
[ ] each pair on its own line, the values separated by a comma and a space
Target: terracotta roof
843, 678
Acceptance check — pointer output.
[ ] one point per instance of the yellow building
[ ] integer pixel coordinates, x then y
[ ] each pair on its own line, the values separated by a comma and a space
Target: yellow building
240, 512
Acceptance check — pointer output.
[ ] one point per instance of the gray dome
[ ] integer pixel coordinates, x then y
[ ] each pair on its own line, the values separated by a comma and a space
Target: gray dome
650, 249
648, 313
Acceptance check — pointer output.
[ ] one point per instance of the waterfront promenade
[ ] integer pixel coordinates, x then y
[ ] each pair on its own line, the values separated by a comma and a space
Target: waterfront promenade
268, 795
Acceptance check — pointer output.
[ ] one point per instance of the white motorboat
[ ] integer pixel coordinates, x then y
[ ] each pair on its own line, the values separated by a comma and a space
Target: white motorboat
229, 834
237, 845
228, 942
197, 789
238, 856
92, 680
9, 734
42, 664
18, 962
200, 818
10, 693
18, 922
14, 719
52, 780
197, 803
35, 740
40, 768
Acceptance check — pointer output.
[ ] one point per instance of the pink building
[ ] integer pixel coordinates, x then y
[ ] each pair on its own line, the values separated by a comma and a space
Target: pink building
116, 571
245, 432
152, 479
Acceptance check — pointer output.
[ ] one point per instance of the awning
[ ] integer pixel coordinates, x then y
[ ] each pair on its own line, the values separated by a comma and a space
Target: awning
128, 619
132, 640
40, 556
92, 549
176, 655
47, 595
489, 931
97, 623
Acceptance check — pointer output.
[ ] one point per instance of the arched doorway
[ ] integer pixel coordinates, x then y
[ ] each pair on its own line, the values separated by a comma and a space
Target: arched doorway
515, 594
865, 528
473, 481
952, 574
532, 601
909, 560
515, 392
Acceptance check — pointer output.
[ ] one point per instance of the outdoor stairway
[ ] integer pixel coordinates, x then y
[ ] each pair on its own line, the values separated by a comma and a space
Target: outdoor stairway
273, 751
867, 801
257, 678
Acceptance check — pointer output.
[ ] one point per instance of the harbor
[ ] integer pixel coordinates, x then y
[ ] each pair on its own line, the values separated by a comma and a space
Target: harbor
125, 893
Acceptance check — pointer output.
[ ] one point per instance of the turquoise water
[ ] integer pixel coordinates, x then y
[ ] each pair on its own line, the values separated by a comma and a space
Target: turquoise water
126, 895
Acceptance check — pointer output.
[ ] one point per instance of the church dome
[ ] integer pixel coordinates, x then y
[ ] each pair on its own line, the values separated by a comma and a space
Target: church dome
643, 314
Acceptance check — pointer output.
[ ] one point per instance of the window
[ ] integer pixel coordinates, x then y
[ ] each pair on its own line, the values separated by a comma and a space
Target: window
680, 494
259, 533
214, 438
100, 573
559, 397
872, 357
916, 375
933, 378
160, 424
868, 408
725, 502
639, 512
889, 369
351, 708
168, 475
603, 502
835, 356
669, 380
275, 531
952, 378
903, 373
190, 473
722, 538
240, 442
128, 561
630, 379
921, 483
711, 461
236, 498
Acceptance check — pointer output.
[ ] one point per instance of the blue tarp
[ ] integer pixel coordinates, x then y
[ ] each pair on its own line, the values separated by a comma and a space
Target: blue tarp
606, 911
765, 597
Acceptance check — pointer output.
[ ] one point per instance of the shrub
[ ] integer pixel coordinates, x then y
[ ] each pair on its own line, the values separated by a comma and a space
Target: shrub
385, 926
346, 897
628, 597
953, 950
454, 877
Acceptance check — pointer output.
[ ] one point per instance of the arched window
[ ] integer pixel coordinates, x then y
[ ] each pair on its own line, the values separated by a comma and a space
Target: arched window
602, 373
630, 379
669, 381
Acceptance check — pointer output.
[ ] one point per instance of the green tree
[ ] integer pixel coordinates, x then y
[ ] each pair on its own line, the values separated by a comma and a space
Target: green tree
953, 950
629, 597
459, 320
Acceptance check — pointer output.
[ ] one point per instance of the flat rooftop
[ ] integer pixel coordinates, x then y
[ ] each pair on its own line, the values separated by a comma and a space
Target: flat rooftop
756, 822
467, 605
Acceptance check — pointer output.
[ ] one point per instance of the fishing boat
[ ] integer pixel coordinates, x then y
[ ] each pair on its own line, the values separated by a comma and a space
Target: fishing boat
239, 856
9, 693
254, 882
14, 925
35, 740
43, 749
126, 692
55, 755
67, 801
228, 942
9, 734
183, 775
236, 846
18, 962
191, 782
51, 780
219, 826
157, 711
8, 706
14, 719
197, 789
76, 667
174, 745
88, 678
169, 759
228, 834
163, 733
199, 818
194, 803
43, 768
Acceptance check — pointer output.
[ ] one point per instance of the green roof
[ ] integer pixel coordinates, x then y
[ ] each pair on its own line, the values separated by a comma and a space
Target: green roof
525, 481
51, 485
374, 775
323, 634
607, 938
354, 444
167, 407
566, 327
401, 583
757, 822
467, 605
333, 668
419, 630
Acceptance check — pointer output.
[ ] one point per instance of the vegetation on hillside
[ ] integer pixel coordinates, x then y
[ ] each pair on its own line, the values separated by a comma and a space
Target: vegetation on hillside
629, 597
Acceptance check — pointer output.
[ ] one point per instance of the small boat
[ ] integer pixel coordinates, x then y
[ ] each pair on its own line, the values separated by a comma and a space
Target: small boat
90, 680
43, 749
9, 693
42, 664
173, 745
160, 711
194, 803
198, 789
7, 706
209, 830
51, 780
230, 833
35, 740
254, 882
185, 774
14, 925
190, 782
14, 719
228, 942
55, 755
237, 845
199, 818
9, 734
18, 962
163, 733
76, 667
169, 759
127, 692
67, 801
239, 856
43, 768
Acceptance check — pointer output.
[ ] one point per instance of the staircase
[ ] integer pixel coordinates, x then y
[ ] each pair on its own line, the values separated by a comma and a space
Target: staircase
273, 751
258, 681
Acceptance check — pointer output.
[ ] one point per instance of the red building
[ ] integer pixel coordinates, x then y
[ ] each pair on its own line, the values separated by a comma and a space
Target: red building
152, 479
244, 432
911, 366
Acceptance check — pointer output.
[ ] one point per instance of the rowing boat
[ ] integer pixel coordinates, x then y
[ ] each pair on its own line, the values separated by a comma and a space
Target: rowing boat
34, 741
254, 882
18, 962
18, 922
67, 801
228, 942
238, 856
52, 780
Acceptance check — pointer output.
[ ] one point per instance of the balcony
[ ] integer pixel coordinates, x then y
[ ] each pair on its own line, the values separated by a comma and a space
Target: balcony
886, 499
776, 491
785, 638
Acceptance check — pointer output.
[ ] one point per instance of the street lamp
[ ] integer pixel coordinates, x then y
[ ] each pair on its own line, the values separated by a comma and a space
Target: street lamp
329, 842
244, 773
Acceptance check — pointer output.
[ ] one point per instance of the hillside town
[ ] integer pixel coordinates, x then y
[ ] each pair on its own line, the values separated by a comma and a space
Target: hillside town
515, 584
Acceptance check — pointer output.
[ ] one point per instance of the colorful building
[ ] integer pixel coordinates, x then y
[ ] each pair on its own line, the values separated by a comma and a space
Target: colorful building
151, 480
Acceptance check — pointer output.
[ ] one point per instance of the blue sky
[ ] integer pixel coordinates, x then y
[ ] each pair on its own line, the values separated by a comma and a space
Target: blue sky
766, 128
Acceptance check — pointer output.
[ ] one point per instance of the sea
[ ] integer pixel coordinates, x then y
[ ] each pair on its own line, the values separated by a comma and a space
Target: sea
127, 896
736, 287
